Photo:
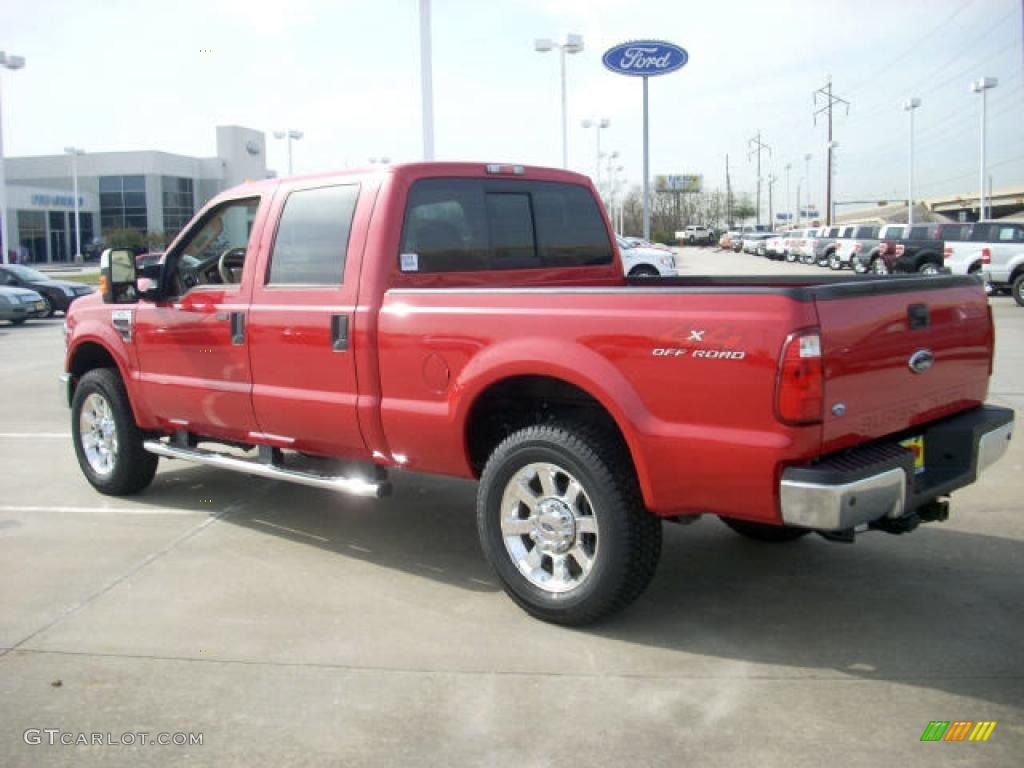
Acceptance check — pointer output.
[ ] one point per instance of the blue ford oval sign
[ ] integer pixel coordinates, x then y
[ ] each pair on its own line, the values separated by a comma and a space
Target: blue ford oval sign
645, 58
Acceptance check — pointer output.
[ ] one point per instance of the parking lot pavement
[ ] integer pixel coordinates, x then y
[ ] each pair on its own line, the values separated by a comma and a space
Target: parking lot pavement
287, 625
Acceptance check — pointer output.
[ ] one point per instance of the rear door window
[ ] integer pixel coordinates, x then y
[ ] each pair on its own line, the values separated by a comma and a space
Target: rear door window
312, 238
466, 225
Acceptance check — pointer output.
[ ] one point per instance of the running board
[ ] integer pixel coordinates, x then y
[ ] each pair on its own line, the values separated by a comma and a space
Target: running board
355, 486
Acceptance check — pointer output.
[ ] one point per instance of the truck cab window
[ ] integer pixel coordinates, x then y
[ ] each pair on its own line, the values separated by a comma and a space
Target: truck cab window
214, 253
311, 243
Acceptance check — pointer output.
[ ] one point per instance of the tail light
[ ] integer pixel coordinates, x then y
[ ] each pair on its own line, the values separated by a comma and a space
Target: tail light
800, 388
883, 248
947, 251
899, 250
986, 256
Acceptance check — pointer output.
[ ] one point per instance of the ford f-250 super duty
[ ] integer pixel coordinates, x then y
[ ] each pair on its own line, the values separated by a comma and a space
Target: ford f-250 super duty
474, 321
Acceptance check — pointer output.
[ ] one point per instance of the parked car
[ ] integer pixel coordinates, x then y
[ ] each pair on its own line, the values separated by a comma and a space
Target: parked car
19, 304
753, 240
774, 246
695, 235
639, 261
57, 294
794, 242
918, 251
993, 247
862, 246
473, 321
820, 244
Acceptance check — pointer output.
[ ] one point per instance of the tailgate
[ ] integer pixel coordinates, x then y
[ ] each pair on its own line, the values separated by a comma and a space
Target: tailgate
870, 332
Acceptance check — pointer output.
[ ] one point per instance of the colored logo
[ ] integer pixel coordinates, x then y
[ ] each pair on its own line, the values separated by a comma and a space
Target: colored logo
958, 730
645, 58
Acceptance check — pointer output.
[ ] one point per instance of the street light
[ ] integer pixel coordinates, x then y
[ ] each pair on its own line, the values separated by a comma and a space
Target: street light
570, 44
980, 86
7, 62
909, 106
289, 134
807, 180
75, 152
597, 125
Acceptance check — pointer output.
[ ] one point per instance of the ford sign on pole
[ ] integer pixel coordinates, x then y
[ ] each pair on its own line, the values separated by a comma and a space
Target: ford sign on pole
645, 58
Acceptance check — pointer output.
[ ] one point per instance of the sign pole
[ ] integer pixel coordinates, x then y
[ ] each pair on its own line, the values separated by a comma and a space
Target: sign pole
647, 170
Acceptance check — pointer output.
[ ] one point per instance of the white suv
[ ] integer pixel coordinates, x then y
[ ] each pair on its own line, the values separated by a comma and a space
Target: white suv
694, 234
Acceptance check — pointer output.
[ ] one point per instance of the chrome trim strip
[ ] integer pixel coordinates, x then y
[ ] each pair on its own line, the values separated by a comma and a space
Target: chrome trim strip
838, 507
352, 485
993, 445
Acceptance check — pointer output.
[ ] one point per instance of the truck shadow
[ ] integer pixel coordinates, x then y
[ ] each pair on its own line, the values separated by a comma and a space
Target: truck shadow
939, 609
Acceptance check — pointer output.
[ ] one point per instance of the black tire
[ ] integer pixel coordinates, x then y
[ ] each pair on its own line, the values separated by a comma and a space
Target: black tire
765, 532
879, 267
643, 271
835, 263
628, 541
929, 268
808, 260
18, 320
48, 306
1017, 290
133, 466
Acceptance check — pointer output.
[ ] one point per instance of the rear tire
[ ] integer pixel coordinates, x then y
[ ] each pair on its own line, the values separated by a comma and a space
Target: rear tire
563, 525
765, 532
1018, 290
643, 272
108, 443
929, 268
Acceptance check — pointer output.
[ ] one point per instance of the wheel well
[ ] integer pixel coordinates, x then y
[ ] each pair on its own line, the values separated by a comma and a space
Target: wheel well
511, 404
1017, 272
88, 356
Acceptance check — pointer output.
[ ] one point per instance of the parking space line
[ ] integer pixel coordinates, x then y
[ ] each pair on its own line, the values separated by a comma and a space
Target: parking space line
289, 530
15, 508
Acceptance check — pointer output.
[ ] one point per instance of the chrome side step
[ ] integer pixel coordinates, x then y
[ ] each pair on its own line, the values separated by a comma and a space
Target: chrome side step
355, 486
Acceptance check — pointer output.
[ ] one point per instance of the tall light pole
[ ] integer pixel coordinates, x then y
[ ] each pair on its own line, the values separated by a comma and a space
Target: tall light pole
807, 181
597, 124
426, 81
799, 212
570, 44
789, 208
75, 152
6, 62
909, 106
289, 134
981, 86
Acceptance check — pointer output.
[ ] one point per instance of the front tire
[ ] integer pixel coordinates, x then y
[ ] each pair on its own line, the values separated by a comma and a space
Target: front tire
48, 306
764, 532
563, 525
108, 443
929, 268
1018, 290
643, 272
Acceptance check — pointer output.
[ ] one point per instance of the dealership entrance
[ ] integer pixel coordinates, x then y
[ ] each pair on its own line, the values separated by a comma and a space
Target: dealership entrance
43, 224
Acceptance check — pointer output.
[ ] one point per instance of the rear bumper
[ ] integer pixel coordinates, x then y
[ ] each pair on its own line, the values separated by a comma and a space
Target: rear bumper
877, 480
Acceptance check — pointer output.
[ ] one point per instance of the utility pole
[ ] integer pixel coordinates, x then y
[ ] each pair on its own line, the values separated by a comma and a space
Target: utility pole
771, 209
728, 194
830, 100
789, 209
756, 147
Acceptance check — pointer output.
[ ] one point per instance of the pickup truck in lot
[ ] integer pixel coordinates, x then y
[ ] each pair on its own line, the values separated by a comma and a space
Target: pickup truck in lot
862, 246
917, 250
995, 248
473, 320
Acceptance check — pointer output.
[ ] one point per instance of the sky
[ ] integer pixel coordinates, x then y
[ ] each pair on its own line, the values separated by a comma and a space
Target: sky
110, 76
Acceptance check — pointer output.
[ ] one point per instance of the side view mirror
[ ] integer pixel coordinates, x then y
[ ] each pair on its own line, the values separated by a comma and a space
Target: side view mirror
117, 276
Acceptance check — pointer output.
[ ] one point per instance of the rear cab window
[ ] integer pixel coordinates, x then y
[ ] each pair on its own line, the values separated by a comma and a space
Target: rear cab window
311, 242
473, 225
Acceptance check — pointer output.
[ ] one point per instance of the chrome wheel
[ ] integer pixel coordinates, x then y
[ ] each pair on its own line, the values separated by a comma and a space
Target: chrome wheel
98, 432
929, 269
879, 267
549, 527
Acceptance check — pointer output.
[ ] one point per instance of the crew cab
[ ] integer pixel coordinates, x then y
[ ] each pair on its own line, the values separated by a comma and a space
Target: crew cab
994, 247
918, 251
473, 321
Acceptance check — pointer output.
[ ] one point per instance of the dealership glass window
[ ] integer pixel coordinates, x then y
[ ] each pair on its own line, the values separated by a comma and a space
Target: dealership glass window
123, 202
462, 225
31, 237
312, 238
58, 243
177, 200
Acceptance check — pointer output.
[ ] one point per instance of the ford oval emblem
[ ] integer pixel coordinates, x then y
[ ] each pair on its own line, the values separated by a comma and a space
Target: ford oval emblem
921, 360
645, 58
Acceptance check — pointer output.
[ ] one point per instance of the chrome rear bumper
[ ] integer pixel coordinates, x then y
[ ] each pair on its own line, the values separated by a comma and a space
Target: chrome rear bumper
878, 481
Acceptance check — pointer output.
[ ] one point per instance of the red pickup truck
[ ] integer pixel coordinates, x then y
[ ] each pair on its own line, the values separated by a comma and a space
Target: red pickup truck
473, 320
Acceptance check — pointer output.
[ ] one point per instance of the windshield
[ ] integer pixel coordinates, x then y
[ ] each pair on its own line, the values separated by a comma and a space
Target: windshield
28, 275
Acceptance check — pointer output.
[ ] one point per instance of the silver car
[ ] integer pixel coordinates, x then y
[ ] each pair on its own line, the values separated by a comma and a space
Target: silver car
19, 304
